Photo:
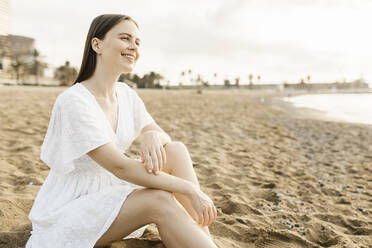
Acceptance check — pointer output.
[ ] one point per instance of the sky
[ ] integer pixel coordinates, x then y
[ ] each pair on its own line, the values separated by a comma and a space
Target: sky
280, 40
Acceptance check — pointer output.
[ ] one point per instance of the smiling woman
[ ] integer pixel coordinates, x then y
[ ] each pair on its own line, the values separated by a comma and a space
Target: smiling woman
94, 194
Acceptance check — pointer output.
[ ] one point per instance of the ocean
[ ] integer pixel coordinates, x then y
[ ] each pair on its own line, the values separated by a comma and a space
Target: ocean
356, 108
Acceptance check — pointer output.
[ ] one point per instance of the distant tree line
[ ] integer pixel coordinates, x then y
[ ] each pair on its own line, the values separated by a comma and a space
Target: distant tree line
148, 80
23, 66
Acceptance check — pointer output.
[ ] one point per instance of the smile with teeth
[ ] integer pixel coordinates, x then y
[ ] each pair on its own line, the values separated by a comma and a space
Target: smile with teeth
130, 57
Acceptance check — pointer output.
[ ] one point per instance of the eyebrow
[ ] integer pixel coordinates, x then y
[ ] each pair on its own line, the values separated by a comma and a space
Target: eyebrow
128, 35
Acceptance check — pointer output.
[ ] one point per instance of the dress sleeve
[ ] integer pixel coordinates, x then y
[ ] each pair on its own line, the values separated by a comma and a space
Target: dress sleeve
74, 129
141, 117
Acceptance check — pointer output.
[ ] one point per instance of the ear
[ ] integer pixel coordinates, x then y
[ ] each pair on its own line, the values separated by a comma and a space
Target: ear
96, 45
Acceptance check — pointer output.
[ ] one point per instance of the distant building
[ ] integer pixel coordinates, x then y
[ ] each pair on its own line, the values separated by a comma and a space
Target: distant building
21, 45
11, 47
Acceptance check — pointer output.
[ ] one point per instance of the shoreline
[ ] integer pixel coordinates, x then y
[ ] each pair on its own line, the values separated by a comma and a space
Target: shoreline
308, 112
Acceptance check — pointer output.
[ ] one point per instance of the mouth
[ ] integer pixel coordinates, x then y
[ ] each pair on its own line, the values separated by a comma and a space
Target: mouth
129, 56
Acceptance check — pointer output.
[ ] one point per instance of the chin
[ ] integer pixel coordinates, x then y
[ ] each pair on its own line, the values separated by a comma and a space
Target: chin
128, 68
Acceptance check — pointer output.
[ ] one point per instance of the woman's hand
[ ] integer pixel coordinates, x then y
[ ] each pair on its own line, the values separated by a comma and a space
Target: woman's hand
203, 206
152, 152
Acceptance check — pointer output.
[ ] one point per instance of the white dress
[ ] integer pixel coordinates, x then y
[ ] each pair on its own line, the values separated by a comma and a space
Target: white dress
80, 199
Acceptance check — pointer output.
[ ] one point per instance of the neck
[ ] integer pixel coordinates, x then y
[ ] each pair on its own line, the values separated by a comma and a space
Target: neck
103, 83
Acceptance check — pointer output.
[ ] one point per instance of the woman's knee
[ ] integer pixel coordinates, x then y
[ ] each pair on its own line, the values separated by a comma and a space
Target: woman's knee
175, 146
163, 204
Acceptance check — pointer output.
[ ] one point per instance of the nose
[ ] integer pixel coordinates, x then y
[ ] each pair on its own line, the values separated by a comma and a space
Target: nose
133, 45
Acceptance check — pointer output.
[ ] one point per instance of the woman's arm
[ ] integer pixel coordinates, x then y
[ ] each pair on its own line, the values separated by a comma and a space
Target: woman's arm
110, 157
164, 137
117, 163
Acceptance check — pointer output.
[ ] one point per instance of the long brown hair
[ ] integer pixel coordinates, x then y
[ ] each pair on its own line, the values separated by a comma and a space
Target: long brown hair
98, 28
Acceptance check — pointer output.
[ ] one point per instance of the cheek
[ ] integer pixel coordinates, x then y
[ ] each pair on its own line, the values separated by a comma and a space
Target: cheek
118, 47
113, 52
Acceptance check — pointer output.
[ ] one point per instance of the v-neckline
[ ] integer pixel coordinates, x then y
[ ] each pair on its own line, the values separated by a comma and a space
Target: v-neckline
103, 113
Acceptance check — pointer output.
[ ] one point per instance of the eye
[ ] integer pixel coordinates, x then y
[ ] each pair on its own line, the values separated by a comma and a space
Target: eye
125, 38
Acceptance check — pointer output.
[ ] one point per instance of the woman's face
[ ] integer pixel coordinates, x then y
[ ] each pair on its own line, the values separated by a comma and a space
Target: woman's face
120, 47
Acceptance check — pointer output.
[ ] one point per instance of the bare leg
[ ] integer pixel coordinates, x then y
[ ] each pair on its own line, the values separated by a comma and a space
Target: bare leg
176, 228
179, 164
179, 230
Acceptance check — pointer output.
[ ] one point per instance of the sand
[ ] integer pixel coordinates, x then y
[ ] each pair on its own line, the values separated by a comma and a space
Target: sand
277, 177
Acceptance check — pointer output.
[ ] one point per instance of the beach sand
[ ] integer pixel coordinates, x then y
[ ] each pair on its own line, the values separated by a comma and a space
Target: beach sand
277, 177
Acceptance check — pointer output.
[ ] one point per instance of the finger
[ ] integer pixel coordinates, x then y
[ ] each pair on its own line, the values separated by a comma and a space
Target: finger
142, 156
215, 213
155, 166
154, 162
160, 159
206, 217
149, 168
211, 214
148, 163
164, 155
200, 218
146, 157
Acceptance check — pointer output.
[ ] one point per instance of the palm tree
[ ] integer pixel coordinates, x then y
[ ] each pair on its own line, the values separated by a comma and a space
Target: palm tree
237, 81
17, 67
183, 73
258, 79
302, 84
198, 81
149, 80
250, 77
65, 74
190, 72
37, 66
226, 82
138, 81
157, 78
215, 77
